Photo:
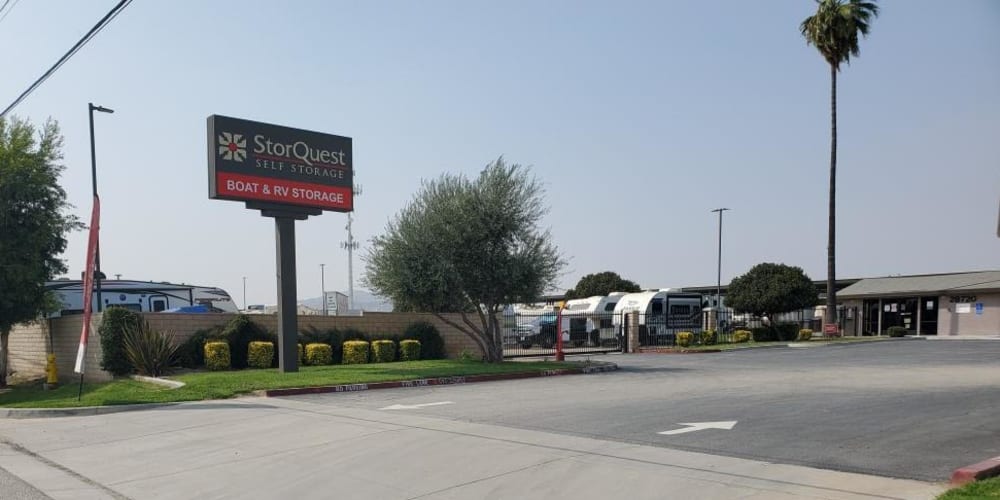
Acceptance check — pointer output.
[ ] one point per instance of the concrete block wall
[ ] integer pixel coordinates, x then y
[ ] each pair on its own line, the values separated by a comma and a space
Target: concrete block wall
28, 344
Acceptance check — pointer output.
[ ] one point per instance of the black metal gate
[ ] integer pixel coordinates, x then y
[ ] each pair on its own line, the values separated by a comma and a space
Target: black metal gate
582, 333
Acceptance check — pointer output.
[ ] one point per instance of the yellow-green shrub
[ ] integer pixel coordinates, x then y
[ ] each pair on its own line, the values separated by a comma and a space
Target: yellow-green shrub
319, 354
355, 352
217, 356
740, 336
684, 338
260, 354
709, 337
409, 350
805, 334
383, 351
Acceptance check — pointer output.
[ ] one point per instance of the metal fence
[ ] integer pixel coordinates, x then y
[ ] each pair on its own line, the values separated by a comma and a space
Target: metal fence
719, 327
536, 334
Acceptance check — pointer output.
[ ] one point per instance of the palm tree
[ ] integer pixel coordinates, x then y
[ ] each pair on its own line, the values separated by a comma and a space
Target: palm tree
834, 30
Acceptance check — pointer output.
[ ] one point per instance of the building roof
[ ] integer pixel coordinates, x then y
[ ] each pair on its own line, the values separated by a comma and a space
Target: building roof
951, 283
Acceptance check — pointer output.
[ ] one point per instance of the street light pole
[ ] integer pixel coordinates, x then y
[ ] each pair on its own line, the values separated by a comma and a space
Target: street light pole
718, 277
244, 294
322, 285
93, 179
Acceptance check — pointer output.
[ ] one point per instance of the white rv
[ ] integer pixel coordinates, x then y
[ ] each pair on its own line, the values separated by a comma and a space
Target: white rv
662, 313
589, 320
142, 296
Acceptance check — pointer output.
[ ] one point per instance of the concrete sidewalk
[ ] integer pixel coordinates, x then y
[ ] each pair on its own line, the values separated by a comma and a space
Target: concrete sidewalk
277, 448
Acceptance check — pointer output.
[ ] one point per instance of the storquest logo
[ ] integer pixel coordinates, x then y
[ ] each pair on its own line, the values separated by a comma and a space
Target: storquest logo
232, 146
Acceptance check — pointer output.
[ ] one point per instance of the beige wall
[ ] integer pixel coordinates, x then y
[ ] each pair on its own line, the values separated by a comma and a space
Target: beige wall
29, 342
953, 323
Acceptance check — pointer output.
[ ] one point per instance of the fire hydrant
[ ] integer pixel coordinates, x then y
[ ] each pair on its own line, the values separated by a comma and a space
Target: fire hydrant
51, 372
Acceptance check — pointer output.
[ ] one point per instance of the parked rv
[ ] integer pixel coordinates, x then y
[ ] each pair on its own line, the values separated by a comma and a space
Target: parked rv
662, 313
142, 296
589, 320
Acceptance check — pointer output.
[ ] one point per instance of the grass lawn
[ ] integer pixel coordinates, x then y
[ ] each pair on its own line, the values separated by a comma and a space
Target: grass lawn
220, 385
989, 488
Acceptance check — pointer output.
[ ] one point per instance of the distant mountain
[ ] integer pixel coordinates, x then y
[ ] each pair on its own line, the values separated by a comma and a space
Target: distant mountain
363, 300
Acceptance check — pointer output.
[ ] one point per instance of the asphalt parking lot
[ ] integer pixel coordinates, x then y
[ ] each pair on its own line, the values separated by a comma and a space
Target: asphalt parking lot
904, 409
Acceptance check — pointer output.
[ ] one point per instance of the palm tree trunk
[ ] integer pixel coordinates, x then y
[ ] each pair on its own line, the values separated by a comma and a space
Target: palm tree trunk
831, 261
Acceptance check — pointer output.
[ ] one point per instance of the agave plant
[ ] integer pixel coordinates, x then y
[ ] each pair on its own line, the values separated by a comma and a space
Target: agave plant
151, 352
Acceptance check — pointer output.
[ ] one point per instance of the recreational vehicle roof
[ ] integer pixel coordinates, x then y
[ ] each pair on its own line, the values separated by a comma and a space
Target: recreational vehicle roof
594, 304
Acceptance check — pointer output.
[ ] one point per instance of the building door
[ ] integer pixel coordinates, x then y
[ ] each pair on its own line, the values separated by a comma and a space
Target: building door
908, 314
157, 303
872, 313
928, 315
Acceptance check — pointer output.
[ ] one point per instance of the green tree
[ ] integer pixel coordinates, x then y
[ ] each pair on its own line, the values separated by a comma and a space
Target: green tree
834, 30
601, 284
468, 246
33, 224
768, 289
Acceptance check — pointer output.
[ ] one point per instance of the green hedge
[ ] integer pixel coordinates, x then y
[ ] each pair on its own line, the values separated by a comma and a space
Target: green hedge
431, 343
260, 354
709, 337
330, 336
409, 350
355, 352
191, 353
896, 331
684, 338
318, 354
239, 333
805, 334
217, 356
112, 332
383, 351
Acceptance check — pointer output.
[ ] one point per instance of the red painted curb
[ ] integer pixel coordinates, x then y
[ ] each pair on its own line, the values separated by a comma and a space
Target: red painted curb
983, 470
430, 381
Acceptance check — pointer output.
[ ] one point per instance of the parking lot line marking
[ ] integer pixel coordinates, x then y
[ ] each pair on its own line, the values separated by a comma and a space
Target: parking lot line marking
417, 406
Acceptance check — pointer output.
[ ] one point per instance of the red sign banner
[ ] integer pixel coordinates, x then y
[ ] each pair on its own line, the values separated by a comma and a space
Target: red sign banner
284, 191
88, 285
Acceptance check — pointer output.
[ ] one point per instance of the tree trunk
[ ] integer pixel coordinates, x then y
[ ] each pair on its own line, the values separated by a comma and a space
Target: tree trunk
4, 336
831, 261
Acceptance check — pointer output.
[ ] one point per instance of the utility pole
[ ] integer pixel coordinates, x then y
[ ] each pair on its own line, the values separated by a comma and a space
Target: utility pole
350, 245
322, 285
718, 281
244, 294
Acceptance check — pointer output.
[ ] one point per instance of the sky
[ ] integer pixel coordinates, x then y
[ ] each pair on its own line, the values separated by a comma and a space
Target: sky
638, 117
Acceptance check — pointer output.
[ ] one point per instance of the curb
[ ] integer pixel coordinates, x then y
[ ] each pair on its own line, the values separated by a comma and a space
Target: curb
982, 470
271, 393
85, 411
170, 384
680, 351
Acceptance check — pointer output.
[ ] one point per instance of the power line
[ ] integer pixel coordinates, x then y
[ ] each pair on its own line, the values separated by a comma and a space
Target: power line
4, 16
83, 41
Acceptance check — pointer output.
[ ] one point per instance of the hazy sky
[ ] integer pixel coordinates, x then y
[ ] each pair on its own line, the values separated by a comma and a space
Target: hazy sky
639, 117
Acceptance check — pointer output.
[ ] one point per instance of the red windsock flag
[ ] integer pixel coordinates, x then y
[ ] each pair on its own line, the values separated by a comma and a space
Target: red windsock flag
88, 284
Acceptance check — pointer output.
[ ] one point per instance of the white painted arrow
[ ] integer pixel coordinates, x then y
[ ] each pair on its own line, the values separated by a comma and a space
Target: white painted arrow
414, 407
698, 426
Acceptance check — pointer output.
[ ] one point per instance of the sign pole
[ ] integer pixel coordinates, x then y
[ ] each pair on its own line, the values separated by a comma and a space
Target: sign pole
288, 319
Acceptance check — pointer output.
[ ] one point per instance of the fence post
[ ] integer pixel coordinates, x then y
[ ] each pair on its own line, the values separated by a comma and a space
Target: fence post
633, 331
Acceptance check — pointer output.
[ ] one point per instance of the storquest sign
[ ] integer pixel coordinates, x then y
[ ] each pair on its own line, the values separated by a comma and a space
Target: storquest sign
253, 161
288, 174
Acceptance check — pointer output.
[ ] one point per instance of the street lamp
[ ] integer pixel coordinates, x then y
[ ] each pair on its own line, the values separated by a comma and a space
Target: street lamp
718, 282
322, 285
244, 294
93, 178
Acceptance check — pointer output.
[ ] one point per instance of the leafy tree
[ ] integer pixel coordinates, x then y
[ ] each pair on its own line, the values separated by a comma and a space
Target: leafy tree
769, 289
468, 246
601, 284
834, 31
33, 224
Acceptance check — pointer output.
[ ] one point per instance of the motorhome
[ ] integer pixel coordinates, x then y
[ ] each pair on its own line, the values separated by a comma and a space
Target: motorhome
589, 320
141, 296
662, 313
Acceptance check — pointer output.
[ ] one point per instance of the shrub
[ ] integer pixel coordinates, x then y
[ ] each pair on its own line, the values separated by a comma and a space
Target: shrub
191, 352
217, 356
896, 331
805, 334
409, 350
740, 336
355, 352
684, 338
149, 352
318, 354
786, 331
431, 343
763, 334
238, 334
329, 336
709, 337
383, 351
112, 333
260, 354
